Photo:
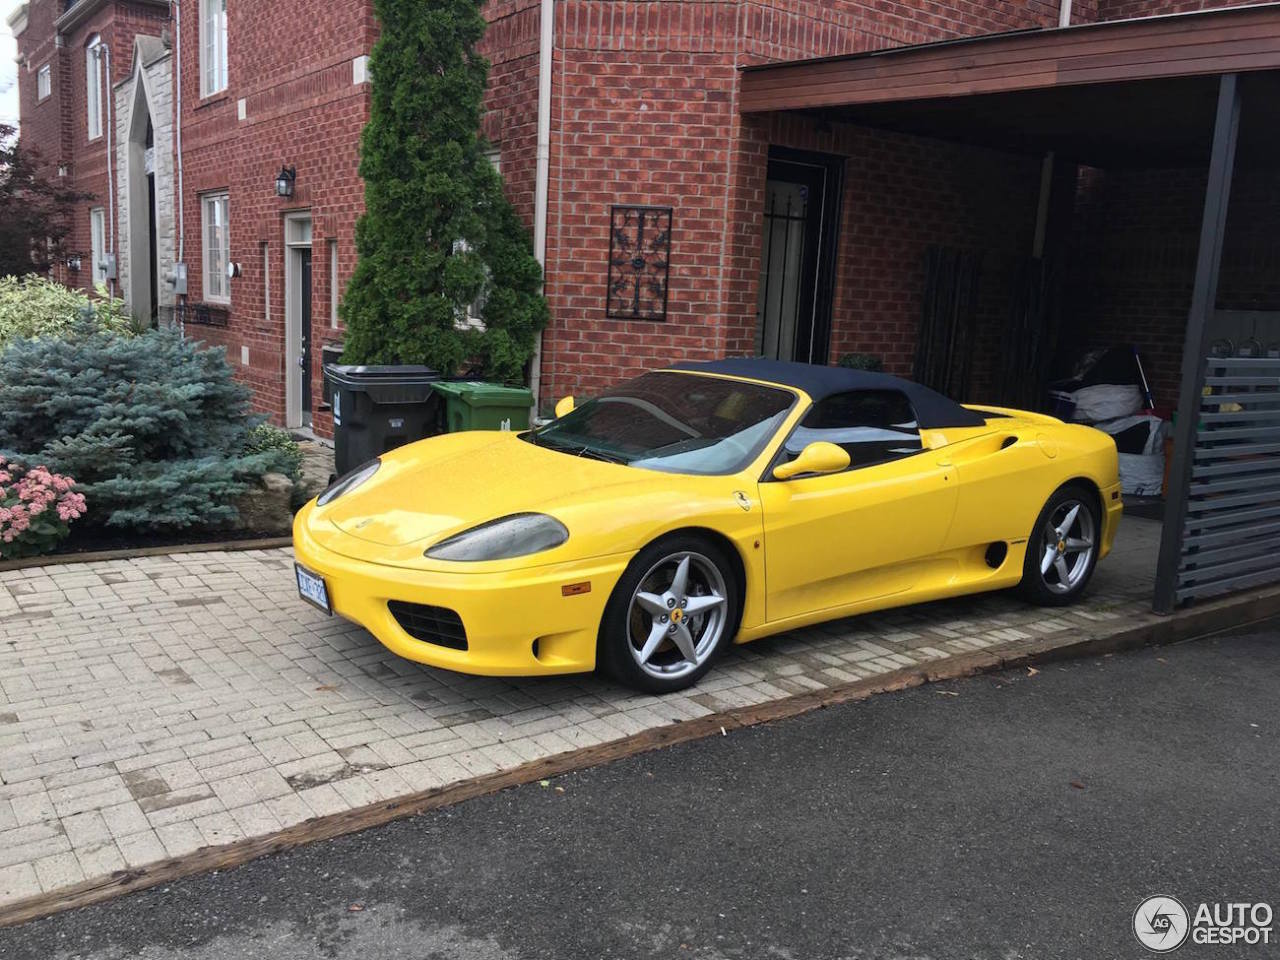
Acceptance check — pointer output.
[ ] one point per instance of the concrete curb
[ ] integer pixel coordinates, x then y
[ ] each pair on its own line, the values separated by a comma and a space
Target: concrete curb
213, 546
1151, 630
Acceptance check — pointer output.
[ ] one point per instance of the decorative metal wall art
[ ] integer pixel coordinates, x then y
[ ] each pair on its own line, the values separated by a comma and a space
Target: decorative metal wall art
203, 314
639, 262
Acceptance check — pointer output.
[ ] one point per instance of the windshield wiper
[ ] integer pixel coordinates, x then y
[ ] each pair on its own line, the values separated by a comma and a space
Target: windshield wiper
582, 450
595, 454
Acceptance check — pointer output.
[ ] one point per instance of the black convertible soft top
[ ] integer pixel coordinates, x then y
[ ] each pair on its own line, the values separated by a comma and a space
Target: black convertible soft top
933, 410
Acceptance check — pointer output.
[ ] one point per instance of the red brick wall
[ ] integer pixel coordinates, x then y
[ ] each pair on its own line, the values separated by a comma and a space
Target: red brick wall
511, 118
901, 194
1134, 260
301, 109
58, 126
46, 124
645, 113
1250, 278
781, 30
1126, 9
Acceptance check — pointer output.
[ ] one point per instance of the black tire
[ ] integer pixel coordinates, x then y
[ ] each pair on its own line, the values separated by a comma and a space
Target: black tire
616, 654
1047, 588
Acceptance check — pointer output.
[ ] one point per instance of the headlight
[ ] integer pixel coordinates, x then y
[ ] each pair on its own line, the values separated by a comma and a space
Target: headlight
348, 482
515, 536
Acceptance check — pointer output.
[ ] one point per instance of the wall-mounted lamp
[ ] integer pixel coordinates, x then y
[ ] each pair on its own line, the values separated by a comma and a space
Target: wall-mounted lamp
234, 271
285, 180
73, 263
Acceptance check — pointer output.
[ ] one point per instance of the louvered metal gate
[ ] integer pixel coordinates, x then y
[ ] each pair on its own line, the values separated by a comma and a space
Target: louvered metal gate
1231, 534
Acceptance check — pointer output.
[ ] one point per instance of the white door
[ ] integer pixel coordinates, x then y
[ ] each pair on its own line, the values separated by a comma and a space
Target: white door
297, 311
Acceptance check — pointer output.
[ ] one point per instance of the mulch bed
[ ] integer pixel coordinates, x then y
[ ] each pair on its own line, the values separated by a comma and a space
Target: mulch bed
96, 540
91, 544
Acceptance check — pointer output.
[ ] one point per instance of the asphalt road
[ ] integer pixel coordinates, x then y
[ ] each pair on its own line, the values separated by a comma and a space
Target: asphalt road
1003, 817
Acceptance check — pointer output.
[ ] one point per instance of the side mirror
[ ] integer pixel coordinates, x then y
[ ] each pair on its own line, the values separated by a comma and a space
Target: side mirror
818, 457
565, 405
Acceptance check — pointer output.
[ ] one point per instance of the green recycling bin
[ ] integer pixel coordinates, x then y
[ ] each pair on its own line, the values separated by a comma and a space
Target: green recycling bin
474, 405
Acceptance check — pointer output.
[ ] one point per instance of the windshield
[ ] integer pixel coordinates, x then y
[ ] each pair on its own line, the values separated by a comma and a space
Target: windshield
674, 422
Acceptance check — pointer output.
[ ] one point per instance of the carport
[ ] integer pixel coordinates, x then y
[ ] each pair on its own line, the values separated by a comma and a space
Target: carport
1184, 91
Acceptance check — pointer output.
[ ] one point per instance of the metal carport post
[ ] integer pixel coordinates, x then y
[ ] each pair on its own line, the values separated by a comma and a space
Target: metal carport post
1203, 299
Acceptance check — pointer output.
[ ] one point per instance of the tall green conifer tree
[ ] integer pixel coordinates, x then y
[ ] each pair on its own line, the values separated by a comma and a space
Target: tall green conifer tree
438, 235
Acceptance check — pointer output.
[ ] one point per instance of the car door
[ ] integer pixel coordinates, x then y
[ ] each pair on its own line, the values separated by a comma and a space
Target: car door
1003, 480
838, 539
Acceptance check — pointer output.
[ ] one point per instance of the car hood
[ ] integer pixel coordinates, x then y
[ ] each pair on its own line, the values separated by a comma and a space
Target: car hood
437, 487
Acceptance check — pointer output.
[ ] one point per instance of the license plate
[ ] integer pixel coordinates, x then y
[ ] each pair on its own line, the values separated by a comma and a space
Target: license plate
312, 589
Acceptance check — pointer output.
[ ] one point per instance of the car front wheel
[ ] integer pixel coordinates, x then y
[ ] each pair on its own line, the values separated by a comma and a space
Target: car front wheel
675, 608
1062, 550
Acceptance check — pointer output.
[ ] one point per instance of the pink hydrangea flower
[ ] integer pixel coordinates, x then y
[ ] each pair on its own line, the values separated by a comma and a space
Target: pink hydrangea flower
26, 494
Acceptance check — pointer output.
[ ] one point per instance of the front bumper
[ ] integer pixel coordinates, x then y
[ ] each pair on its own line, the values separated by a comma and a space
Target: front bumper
518, 623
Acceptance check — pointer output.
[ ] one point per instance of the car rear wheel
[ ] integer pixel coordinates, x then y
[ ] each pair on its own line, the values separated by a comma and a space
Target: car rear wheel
676, 606
1062, 550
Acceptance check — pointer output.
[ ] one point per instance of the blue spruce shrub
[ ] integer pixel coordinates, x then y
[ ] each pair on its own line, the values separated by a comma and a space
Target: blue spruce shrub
154, 428
265, 437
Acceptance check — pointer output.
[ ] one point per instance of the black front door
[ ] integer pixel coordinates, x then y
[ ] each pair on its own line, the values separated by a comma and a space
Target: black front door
304, 361
797, 262
153, 264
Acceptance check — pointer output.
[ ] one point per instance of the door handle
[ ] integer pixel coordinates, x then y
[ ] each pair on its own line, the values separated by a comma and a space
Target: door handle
944, 461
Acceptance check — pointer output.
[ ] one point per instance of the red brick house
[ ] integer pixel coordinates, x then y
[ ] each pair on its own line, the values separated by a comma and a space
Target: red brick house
802, 232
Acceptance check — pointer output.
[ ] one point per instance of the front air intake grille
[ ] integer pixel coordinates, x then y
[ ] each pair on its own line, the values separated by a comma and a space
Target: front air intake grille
429, 624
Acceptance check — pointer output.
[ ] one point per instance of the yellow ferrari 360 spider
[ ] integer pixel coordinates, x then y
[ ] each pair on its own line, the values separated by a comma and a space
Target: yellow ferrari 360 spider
645, 530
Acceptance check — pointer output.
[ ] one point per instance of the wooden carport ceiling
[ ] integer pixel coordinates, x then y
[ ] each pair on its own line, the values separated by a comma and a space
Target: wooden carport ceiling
1137, 92
1144, 123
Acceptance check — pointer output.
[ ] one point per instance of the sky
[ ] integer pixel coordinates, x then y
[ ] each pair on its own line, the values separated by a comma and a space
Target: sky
8, 69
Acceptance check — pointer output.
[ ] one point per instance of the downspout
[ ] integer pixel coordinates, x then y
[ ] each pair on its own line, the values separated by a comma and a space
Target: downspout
176, 8
104, 51
1046, 167
177, 123
542, 181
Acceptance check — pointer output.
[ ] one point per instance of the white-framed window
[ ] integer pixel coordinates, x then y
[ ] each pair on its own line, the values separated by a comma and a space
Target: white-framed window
266, 281
215, 217
494, 156
297, 231
213, 47
93, 86
98, 244
44, 80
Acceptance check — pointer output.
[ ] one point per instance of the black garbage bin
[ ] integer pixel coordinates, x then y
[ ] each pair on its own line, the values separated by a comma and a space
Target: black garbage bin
376, 409
330, 356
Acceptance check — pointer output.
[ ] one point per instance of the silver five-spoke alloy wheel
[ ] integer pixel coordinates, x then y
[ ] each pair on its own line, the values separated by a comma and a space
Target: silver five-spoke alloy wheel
1069, 542
677, 614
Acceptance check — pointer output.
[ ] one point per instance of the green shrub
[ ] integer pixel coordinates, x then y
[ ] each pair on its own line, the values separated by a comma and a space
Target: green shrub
153, 427
438, 235
32, 306
862, 361
287, 458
